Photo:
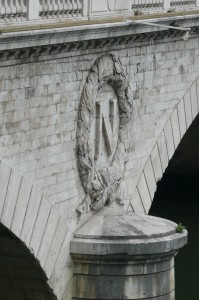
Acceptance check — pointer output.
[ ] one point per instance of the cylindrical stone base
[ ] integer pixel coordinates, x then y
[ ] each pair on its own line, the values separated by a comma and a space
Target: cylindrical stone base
119, 255
122, 277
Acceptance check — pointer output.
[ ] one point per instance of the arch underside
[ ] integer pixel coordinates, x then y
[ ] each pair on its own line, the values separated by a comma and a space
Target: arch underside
27, 214
167, 142
21, 276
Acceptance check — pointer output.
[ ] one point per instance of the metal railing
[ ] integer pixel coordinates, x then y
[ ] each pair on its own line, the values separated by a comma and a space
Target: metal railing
19, 10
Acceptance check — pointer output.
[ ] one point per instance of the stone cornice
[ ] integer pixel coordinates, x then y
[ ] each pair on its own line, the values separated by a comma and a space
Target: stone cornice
34, 44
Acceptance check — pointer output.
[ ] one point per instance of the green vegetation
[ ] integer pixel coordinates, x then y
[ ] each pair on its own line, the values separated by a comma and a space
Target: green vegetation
180, 228
138, 12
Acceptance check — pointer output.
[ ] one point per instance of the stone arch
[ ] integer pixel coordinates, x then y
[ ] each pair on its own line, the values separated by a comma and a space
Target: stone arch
176, 126
21, 276
27, 214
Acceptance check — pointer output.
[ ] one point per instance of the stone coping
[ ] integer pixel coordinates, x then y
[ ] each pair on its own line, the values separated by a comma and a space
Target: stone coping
113, 231
53, 34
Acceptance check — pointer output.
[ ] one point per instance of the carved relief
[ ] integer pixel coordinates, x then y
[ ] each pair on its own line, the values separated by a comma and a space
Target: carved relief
103, 135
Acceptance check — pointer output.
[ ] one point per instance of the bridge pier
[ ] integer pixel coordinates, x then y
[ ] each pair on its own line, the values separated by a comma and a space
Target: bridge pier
120, 255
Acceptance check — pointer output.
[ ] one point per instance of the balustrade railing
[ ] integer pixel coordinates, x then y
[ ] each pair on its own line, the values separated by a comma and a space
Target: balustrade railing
19, 10
13, 10
182, 4
60, 8
144, 5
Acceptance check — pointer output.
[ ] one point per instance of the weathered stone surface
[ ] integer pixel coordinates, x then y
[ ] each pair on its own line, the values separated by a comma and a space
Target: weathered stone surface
101, 179
121, 255
116, 231
42, 77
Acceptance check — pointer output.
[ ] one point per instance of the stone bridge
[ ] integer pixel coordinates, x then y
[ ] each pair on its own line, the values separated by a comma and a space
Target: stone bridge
65, 152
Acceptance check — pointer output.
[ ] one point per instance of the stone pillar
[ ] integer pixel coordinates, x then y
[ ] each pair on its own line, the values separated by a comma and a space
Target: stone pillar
121, 255
86, 8
33, 9
166, 4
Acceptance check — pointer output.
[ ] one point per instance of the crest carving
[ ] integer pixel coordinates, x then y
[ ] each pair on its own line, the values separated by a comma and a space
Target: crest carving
101, 181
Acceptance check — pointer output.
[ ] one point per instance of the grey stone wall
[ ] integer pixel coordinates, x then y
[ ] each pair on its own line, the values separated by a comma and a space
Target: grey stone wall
39, 99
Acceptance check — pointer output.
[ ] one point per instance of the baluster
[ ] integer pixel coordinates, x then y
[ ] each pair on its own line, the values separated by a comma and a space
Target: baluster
75, 12
43, 12
14, 9
61, 8
41, 8
24, 8
136, 2
43, 5
80, 7
2, 9
18, 9
10, 9
7, 9
53, 11
56, 8
45, 8
52, 8
49, 11
70, 8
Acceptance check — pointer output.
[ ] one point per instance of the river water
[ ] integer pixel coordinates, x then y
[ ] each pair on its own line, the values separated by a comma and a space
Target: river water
177, 199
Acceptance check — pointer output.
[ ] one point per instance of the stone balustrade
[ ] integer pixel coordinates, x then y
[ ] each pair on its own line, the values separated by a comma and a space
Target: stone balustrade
19, 10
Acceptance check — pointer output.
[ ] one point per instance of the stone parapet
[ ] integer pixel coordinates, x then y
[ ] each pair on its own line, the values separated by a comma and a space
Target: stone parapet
28, 10
120, 255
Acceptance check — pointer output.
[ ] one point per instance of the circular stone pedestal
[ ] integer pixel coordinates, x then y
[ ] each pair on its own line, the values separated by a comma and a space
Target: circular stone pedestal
122, 255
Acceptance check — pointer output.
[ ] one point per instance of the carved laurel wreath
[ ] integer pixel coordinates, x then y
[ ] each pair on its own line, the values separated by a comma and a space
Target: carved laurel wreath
101, 185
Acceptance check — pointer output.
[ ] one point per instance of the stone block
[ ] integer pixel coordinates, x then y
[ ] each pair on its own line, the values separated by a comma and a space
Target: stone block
175, 128
11, 198
181, 116
21, 206
47, 238
137, 204
188, 110
39, 226
163, 152
150, 177
4, 182
156, 163
144, 192
194, 100
169, 139
31, 214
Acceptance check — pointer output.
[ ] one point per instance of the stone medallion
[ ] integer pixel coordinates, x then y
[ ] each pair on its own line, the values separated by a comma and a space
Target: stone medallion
103, 135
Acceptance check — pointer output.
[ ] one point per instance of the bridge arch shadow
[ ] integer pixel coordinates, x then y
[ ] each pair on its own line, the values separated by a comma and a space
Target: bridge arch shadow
177, 199
177, 125
21, 277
